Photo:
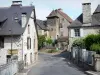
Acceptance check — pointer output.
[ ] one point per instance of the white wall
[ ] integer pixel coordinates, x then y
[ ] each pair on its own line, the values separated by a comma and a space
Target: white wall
33, 36
3, 54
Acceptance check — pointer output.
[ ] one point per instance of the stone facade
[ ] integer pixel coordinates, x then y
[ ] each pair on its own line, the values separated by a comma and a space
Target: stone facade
57, 25
87, 13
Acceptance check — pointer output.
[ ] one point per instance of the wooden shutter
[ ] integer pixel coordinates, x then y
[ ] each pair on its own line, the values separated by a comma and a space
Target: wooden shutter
81, 32
72, 33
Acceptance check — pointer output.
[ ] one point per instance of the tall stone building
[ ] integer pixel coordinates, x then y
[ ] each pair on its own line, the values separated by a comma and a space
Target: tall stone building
57, 23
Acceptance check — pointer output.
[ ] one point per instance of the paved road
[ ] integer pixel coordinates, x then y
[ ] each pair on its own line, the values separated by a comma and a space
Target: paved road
54, 65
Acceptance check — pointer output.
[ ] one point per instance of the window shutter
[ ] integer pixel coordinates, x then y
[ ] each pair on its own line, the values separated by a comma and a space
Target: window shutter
81, 32
72, 32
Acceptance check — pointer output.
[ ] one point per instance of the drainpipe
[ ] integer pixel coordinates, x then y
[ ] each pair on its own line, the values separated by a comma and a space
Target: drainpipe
22, 52
11, 42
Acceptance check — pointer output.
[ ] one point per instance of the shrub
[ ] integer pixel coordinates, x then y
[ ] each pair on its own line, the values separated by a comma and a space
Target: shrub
79, 43
49, 41
89, 40
95, 47
52, 51
41, 40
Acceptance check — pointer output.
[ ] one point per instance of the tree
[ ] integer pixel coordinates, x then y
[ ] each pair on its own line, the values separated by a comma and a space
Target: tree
41, 41
49, 41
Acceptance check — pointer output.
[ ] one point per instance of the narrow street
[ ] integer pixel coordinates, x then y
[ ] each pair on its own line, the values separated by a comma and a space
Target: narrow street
54, 65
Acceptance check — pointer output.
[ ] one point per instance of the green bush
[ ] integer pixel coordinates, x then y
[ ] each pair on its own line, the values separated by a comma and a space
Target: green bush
41, 41
52, 51
89, 40
49, 41
79, 43
95, 47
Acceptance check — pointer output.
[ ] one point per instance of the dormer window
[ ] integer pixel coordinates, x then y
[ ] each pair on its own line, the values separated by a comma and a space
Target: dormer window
16, 19
24, 19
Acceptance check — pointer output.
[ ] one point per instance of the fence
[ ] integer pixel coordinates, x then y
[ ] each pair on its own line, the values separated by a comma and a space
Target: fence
9, 69
82, 55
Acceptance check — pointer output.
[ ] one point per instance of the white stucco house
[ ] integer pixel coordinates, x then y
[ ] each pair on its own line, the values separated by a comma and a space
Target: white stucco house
85, 24
18, 34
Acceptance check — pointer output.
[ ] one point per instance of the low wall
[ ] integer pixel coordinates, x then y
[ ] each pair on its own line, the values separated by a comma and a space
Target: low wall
88, 57
9, 69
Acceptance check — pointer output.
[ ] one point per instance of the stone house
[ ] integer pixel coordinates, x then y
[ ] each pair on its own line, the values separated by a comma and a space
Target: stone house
85, 24
42, 27
18, 34
57, 23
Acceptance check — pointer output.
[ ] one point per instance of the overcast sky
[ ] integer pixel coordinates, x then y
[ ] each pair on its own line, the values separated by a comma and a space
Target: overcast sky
43, 7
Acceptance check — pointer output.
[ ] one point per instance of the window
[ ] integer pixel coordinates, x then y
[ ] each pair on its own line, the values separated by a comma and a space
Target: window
61, 33
34, 43
24, 19
77, 32
28, 29
28, 43
1, 42
61, 26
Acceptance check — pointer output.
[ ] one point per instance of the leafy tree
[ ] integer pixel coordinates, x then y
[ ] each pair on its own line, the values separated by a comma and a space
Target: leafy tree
49, 41
41, 41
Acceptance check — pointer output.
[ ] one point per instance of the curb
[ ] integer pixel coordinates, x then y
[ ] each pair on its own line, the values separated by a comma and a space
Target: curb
29, 67
92, 73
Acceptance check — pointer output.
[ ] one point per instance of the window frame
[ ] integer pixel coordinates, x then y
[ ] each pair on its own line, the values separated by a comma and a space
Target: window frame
28, 29
77, 32
28, 43
24, 19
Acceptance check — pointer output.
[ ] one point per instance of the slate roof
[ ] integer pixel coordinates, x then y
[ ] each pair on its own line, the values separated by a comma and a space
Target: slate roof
41, 24
95, 19
54, 13
97, 9
77, 22
65, 16
7, 19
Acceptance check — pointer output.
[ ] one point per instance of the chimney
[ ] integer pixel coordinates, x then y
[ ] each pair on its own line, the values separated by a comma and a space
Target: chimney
16, 3
86, 12
60, 9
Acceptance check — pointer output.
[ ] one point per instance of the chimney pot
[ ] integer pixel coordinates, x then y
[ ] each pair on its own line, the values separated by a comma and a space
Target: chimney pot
17, 3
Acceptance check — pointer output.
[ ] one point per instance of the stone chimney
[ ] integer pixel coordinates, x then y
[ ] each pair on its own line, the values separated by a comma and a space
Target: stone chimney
60, 9
17, 3
86, 12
